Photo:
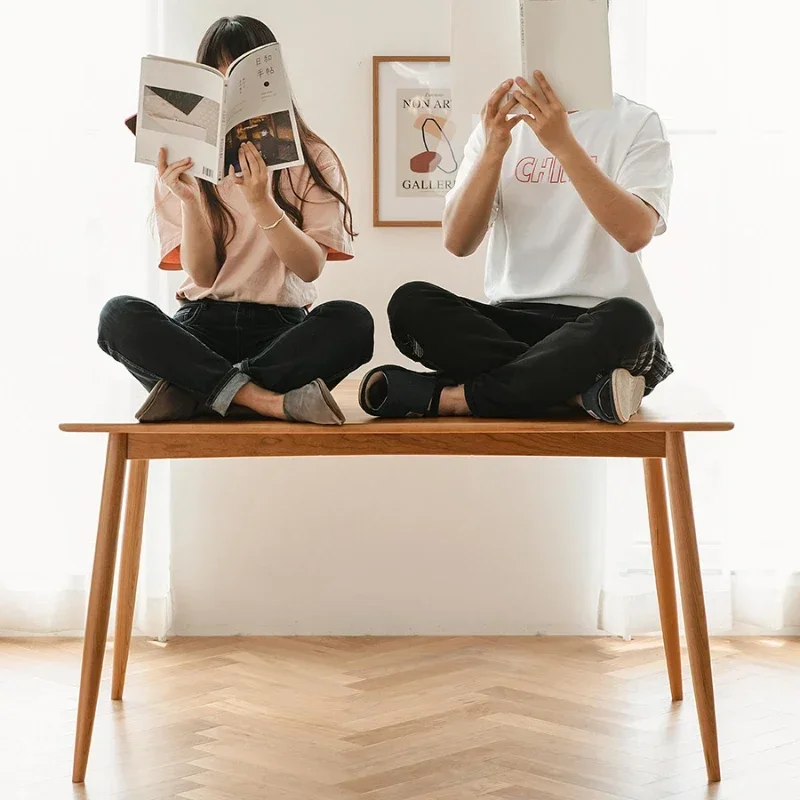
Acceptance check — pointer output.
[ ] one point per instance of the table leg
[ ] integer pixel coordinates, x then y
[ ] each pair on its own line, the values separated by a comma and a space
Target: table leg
128, 572
664, 570
99, 600
694, 609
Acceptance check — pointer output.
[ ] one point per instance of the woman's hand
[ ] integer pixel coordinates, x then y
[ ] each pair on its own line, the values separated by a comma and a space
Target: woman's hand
255, 180
549, 119
497, 126
174, 177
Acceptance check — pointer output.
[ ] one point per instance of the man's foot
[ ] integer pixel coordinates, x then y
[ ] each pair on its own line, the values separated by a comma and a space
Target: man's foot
168, 403
615, 398
313, 403
395, 392
453, 402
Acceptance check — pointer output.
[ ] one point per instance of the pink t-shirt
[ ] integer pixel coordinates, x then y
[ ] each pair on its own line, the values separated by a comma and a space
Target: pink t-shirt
252, 272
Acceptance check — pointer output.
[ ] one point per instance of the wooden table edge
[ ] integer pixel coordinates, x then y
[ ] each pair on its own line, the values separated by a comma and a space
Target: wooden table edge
391, 428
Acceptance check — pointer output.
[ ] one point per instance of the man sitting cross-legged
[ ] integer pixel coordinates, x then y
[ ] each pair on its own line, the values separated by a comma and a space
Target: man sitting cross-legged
569, 202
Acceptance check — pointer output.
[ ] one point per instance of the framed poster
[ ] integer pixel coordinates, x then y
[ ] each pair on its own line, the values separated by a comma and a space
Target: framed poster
414, 159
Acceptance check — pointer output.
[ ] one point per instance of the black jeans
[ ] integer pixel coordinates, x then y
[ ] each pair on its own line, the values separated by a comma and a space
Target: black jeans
520, 359
211, 349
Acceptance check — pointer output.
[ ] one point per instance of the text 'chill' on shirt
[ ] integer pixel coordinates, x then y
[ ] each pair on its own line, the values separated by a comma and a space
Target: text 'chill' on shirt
544, 243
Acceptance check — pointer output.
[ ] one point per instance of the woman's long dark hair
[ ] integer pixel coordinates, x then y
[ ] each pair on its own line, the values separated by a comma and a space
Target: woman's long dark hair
226, 40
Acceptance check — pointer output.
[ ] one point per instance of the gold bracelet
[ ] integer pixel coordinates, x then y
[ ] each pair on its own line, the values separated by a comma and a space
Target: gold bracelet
272, 227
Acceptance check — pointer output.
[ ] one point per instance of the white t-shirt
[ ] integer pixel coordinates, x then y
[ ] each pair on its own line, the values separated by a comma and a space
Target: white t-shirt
544, 244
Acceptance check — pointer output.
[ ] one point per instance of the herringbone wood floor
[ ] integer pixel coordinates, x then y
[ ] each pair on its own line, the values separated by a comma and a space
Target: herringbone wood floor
400, 719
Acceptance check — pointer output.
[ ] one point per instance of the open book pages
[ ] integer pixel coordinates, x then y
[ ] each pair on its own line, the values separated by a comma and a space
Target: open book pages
195, 111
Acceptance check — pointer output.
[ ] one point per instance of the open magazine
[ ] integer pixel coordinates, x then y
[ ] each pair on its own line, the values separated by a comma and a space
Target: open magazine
195, 111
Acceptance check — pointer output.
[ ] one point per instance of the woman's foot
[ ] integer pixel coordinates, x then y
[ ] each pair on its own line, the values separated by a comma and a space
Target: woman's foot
253, 401
311, 403
168, 403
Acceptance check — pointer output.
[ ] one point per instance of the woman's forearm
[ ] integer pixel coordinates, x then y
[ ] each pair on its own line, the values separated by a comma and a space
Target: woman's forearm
301, 254
198, 251
468, 214
623, 215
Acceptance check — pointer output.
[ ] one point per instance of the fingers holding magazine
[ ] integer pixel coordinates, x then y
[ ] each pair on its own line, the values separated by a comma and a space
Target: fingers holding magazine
255, 178
176, 177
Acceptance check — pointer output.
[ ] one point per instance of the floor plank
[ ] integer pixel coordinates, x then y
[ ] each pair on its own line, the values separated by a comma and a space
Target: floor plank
399, 719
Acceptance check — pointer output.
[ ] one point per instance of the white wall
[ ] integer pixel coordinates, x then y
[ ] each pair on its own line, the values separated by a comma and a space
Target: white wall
376, 546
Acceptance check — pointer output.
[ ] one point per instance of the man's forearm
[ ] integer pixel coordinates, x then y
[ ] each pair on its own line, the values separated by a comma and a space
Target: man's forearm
198, 251
623, 215
468, 214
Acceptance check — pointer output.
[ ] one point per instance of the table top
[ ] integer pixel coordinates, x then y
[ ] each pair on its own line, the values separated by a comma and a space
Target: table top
674, 406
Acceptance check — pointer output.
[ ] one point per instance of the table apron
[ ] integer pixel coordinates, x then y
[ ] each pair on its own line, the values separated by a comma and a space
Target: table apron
613, 444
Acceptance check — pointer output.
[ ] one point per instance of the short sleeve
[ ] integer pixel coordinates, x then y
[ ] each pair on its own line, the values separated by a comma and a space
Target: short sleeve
647, 169
472, 152
170, 227
323, 215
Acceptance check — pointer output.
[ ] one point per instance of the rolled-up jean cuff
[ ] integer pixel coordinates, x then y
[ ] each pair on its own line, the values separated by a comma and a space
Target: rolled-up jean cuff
222, 402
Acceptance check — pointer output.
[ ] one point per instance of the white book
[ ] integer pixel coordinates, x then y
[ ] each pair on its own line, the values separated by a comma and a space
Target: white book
196, 111
568, 40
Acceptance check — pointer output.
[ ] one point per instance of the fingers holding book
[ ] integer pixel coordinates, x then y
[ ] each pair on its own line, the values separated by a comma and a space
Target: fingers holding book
547, 90
535, 97
548, 118
498, 96
497, 122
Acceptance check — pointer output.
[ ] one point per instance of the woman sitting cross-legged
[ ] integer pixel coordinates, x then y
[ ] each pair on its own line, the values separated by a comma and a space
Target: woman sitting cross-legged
244, 342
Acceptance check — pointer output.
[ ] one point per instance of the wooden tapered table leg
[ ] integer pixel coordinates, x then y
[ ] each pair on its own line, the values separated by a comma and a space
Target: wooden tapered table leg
664, 570
694, 608
128, 572
99, 599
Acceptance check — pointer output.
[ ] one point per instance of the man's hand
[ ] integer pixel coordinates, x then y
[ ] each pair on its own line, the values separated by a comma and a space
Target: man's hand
623, 215
549, 119
497, 125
